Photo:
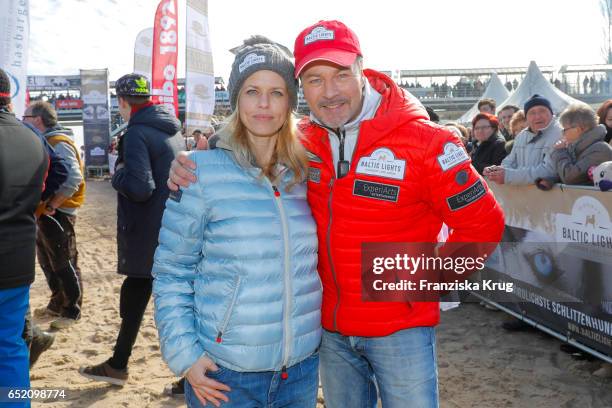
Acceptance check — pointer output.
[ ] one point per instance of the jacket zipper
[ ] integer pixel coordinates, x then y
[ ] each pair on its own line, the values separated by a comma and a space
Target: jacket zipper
343, 167
228, 312
287, 282
329, 254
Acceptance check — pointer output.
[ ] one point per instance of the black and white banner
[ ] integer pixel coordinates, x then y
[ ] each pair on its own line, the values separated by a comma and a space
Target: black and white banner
96, 116
14, 40
557, 251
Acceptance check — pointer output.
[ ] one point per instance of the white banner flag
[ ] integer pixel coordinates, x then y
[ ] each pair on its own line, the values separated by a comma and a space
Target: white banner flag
14, 40
200, 77
143, 51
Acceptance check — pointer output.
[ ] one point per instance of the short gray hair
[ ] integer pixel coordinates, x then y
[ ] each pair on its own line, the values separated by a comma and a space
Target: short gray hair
579, 114
46, 112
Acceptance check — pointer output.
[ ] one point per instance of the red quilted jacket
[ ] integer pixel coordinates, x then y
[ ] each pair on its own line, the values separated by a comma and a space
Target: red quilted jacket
403, 183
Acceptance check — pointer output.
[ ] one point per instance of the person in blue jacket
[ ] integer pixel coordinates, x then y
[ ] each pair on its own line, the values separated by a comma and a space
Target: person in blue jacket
236, 290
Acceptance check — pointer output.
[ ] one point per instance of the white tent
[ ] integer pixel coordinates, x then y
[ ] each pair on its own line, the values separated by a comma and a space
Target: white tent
535, 83
495, 90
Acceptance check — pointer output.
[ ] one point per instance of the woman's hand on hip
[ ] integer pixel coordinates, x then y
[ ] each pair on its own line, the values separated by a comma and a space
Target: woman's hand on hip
206, 389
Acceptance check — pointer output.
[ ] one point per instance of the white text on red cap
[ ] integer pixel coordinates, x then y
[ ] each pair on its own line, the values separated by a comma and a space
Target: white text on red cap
319, 33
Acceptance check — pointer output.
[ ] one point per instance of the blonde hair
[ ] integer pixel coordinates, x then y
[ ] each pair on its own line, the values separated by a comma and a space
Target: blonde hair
519, 116
288, 150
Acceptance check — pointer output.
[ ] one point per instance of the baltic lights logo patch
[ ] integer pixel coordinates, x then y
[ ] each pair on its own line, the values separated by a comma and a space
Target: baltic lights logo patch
382, 163
251, 59
452, 156
319, 33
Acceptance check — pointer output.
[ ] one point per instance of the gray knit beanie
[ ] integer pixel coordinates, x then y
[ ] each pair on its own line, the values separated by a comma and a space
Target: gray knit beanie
260, 53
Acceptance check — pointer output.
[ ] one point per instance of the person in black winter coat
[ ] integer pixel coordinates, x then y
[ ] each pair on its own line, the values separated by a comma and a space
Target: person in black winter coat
490, 149
37, 339
23, 166
145, 152
604, 114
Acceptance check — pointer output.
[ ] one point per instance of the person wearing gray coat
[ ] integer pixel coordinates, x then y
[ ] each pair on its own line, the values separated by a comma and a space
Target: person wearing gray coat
581, 148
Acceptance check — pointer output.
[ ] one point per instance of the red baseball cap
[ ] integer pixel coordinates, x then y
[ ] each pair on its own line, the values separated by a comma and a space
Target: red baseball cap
328, 41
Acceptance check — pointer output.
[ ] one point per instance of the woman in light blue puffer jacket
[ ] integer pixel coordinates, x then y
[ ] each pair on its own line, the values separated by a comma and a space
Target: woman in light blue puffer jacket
237, 294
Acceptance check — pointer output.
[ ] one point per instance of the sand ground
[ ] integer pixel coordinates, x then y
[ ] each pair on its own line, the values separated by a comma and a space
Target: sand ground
480, 365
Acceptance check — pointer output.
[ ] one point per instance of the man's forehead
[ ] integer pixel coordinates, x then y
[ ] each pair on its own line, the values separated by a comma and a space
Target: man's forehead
318, 66
539, 109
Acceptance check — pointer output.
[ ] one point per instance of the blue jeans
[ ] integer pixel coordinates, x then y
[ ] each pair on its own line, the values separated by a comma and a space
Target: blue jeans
402, 365
14, 354
266, 389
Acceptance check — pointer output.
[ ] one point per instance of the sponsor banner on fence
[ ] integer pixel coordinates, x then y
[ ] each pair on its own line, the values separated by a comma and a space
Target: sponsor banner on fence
165, 54
68, 104
559, 247
14, 42
96, 116
143, 51
53, 83
200, 77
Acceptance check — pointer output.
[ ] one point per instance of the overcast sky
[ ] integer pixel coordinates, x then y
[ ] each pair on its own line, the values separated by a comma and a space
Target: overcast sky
66, 35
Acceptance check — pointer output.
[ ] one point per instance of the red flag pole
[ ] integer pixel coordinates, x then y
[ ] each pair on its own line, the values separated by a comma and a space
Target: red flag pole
165, 55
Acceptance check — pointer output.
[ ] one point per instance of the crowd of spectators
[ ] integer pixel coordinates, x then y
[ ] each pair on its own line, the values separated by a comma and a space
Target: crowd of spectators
533, 146
463, 88
470, 87
52, 97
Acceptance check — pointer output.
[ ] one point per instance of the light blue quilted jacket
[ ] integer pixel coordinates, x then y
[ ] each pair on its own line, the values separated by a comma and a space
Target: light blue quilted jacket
236, 271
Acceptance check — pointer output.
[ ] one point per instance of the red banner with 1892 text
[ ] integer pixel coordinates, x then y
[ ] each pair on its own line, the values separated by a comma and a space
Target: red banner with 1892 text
165, 55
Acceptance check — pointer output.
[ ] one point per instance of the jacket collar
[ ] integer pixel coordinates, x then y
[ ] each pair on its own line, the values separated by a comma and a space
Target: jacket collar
588, 138
59, 130
136, 108
224, 143
535, 136
224, 139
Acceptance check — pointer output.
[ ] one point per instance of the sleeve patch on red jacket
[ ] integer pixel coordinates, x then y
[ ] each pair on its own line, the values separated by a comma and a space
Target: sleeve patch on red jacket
473, 193
453, 155
461, 177
314, 174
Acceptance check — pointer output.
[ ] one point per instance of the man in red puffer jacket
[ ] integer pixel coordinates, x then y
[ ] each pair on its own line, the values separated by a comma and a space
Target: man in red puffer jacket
380, 171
